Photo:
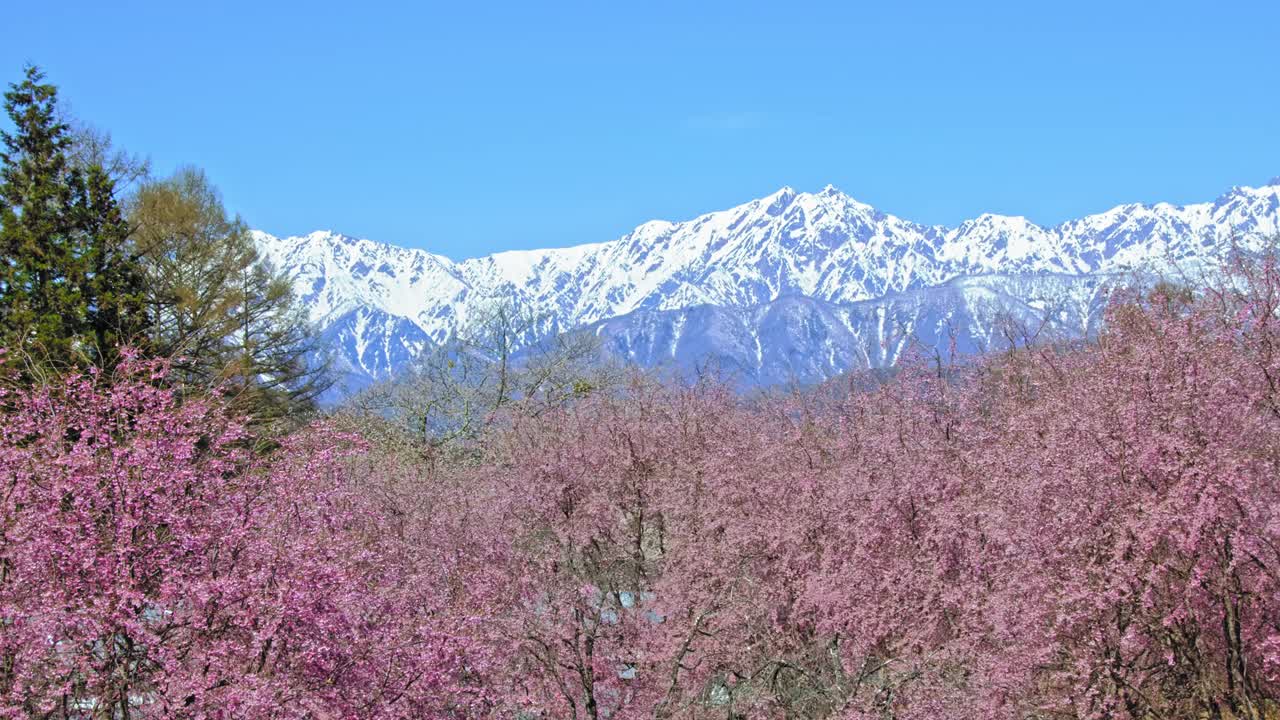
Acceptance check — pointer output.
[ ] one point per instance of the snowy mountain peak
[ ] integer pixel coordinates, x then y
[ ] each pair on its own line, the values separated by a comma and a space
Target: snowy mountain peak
387, 302
780, 200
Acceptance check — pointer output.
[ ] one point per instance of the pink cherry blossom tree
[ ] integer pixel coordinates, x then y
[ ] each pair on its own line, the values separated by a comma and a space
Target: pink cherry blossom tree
151, 566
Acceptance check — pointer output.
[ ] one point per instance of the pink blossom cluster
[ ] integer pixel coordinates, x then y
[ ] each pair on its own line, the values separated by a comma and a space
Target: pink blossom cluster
1082, 530
1074, 530
152, 566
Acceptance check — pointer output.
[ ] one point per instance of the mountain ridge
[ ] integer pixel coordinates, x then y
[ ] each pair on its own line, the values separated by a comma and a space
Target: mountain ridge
381, 304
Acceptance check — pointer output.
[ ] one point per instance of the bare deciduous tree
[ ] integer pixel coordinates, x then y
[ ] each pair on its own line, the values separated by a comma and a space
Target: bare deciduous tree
505, 358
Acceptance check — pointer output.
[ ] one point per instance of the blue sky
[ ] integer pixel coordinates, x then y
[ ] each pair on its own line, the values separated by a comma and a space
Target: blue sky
468, 128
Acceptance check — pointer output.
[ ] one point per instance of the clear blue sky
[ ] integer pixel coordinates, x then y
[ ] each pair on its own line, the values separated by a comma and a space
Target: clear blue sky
467, 128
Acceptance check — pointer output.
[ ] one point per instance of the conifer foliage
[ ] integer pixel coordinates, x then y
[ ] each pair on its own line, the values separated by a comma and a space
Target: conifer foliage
216, 306
70, 289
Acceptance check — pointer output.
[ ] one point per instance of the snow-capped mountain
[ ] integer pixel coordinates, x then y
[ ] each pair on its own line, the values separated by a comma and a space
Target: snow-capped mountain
793, 285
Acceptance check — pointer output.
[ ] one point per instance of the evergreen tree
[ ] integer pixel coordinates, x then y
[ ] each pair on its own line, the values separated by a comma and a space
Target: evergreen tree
70, 288
117, 314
